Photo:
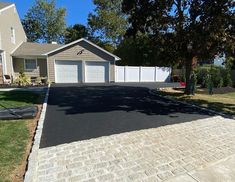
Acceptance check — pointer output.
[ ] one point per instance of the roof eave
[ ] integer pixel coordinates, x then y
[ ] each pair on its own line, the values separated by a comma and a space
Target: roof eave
7, 7
89, 42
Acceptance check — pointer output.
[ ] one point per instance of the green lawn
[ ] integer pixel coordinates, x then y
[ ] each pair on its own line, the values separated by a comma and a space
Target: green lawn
14, 136
12, 99
219, 102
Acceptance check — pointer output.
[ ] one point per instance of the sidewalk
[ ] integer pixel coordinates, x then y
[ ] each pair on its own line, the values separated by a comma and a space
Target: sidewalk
221, 171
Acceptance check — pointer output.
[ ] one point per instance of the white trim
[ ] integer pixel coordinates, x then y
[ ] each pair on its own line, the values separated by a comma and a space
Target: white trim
4, 62
16, 47
31, 59
10, 6
12, 69
89, 42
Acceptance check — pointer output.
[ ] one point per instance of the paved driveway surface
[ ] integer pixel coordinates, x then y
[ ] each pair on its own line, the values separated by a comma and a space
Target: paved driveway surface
77, 112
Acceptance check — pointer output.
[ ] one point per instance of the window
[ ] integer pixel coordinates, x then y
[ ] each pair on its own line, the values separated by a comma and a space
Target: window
30, 64
13, 37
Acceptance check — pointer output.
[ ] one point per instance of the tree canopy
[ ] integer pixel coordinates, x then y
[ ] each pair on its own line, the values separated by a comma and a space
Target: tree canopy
44, 22
75, 32
184, 28
108, 22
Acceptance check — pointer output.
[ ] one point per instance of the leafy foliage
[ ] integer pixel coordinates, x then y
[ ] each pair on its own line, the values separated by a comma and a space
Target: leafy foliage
76, 32
44, 22
184, 28
220, 76
22, 79
108, 21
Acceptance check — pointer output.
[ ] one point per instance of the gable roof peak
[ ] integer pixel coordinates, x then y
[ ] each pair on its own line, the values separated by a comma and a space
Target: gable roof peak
5, 5
87, 41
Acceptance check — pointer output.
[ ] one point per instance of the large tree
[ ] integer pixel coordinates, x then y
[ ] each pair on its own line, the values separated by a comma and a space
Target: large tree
108, 22
44, 22
76, 32
185, 29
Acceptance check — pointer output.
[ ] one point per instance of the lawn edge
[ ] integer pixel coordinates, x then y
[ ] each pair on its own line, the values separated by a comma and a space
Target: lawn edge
192, 105
33, 156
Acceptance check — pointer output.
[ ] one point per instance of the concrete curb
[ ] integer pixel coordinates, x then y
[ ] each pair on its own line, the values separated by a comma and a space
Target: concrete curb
31, 172
192, 105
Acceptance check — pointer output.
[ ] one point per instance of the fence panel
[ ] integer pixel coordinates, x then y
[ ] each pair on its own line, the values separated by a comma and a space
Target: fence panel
132, 74
142, 74
163, 74
120, 74
147, 74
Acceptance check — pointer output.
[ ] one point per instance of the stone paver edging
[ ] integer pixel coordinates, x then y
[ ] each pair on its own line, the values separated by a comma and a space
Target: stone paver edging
33, 157
155, 154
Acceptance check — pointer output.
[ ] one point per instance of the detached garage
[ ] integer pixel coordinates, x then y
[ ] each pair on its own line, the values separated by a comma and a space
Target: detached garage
81, 62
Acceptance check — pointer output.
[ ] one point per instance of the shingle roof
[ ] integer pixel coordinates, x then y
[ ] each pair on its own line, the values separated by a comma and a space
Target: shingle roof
34, 49
4, 4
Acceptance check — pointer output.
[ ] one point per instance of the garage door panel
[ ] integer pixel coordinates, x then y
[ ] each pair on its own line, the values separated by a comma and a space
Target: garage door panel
97, 72
68, 71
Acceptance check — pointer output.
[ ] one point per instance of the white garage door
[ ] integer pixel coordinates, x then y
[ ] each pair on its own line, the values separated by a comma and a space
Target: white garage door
97, 72
68, 71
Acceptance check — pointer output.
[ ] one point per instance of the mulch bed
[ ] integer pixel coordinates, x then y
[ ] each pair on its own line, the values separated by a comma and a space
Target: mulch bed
17, 86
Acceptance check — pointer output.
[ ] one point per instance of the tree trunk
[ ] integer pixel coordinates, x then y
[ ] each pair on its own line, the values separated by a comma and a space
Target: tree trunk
188, 72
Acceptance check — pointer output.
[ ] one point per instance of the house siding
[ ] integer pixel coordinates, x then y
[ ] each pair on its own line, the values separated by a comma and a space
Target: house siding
90, 53
41, 71
9, 18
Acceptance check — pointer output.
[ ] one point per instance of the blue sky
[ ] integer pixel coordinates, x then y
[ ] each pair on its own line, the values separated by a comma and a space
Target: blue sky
77, 10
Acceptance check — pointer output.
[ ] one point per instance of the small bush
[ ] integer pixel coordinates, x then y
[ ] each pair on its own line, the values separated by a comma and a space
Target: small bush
220, 76
22, 80
38, 80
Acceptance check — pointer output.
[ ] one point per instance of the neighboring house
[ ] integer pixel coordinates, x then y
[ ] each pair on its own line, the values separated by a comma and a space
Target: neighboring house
79, 61
11, 36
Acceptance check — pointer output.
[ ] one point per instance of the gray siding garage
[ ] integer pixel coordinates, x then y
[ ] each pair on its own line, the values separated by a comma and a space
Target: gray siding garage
94, 65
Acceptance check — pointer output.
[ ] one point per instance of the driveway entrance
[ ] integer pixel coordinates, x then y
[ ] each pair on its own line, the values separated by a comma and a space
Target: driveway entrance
78, 112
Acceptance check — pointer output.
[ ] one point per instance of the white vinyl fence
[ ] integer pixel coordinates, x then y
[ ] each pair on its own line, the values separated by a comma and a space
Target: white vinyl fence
142, 74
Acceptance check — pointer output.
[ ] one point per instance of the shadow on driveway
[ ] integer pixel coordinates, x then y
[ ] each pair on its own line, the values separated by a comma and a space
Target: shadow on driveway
79, 112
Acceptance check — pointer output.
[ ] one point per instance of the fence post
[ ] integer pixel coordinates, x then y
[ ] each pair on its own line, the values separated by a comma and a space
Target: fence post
140, 73
125, 75
155, 73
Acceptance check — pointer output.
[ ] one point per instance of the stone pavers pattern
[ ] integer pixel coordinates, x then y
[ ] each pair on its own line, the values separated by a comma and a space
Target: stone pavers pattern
149, 155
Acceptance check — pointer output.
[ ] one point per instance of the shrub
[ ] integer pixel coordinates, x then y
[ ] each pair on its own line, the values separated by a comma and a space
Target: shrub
38, 80
22, 80
202, 74
220, 76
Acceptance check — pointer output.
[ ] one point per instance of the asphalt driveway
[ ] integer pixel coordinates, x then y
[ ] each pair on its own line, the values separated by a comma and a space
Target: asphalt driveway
78, 112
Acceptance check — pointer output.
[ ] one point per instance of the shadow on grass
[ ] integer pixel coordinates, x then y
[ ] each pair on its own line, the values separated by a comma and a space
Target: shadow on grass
217, 106
11, 99
226, 108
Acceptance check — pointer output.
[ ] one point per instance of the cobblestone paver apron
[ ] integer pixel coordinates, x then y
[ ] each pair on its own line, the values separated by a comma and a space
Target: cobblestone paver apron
148, 155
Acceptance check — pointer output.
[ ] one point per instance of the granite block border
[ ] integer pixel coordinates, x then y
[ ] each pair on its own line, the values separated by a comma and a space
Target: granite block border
31, 170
